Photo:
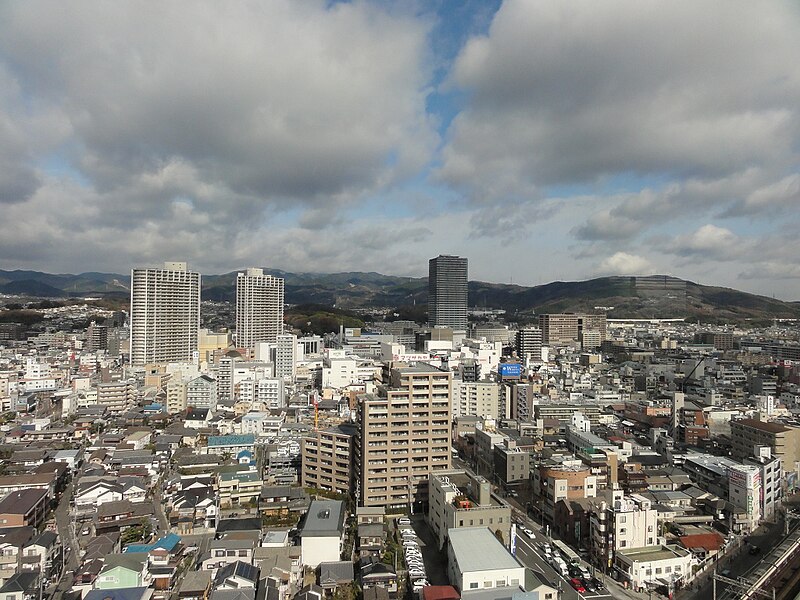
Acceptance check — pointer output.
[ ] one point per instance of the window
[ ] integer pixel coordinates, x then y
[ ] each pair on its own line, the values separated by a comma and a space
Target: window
461, 523
473, 585
242, 552
667, 569
514, 582
219, 552
658, 570
487, 584
481, 522
622, 531
623, 543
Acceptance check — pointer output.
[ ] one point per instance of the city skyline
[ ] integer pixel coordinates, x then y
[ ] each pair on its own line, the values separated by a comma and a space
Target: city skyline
545, 141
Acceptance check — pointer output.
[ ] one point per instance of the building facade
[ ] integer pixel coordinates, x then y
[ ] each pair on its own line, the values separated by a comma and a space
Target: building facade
165, 314
403, 436
259, 308
447, 292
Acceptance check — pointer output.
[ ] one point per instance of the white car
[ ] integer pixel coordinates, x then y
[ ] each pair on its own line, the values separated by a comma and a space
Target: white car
416, 574
404, 521
420, 583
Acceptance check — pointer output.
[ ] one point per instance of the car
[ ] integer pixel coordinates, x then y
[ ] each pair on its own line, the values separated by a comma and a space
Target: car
421, 583
574, 571
416, 574
404, 521
577, 585
598, 585
527, 532
587, 584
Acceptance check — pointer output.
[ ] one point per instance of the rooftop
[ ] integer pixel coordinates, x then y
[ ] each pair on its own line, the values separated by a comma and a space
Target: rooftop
492, 555
324, 519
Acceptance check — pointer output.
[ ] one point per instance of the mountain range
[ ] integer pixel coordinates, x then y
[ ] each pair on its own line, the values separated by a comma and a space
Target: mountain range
621, 297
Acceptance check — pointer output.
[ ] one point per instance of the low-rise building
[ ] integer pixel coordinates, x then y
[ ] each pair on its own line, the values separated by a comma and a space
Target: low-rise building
490, 568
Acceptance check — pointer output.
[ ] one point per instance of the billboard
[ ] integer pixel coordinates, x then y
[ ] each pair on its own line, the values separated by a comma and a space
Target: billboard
509, 370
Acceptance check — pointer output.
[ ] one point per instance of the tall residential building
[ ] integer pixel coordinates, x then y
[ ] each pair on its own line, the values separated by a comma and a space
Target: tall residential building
529, 344
447, 292
286, 356
403, 436
165, 314
259, 308
327, 459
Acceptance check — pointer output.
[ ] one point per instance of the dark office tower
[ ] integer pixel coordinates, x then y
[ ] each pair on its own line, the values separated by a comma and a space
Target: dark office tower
447, 292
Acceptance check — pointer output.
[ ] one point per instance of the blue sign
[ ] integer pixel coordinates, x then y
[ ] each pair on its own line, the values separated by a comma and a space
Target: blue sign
510, 369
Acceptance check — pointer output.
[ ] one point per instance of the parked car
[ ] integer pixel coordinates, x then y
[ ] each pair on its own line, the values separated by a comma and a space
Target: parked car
404, 521
587, 583
577, 585
575, 571
598, 585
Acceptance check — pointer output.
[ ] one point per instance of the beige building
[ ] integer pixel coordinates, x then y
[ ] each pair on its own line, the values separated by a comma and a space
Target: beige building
783, 441
326, 459
176, 395
403, 436
457, 499
480, 398
569, 480
568, 329
117, 396
259, 308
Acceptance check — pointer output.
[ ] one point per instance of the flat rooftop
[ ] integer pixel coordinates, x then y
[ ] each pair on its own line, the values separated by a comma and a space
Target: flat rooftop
492, 555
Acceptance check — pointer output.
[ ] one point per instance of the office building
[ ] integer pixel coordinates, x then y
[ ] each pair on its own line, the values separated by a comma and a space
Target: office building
568, 329
165, 314
286, 356
447, 292
403, 436
259, 308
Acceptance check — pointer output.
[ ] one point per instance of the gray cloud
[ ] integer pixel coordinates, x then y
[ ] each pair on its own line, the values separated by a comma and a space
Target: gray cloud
236, 107
563, 93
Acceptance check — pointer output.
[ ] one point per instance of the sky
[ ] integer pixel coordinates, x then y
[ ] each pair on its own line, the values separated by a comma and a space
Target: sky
542, 139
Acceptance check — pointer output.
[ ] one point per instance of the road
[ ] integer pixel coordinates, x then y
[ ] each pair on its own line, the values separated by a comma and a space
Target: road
67, 534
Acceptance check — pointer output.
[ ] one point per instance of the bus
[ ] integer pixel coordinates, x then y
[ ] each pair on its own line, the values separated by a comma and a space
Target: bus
568, 553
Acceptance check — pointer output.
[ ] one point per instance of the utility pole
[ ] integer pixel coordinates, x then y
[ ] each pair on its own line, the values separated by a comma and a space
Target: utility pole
741, 584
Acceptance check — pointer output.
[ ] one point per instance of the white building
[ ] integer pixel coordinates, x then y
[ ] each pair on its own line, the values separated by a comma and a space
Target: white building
323, 533
655, 566
201, 392
476, 560
165, 314
771, 481
286, 356
259, 308
744, 491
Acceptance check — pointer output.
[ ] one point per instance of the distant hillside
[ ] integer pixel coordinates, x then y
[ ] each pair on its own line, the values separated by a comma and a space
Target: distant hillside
621, 297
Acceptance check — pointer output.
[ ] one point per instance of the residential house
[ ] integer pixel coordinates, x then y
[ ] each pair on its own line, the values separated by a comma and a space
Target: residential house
21, 586
236, 575
24, 507
43, 554
227, 551
196, 585
374, 573
124, 571
335, 574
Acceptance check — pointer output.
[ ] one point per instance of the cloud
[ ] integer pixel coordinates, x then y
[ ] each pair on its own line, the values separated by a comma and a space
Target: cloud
622, 263
709, 242
564, 93
770, 200
266, 106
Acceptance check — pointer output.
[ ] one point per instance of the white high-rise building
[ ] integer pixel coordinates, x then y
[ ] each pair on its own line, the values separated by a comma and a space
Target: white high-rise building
259, 308
165, 314
286, 356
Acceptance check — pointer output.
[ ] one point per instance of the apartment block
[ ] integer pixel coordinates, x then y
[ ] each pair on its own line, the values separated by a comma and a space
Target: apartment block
783, 441
403, 436
566, 329
165, 314
259, 308
327, 459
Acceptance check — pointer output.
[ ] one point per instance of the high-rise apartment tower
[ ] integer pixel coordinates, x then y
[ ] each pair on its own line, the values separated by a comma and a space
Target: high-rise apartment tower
447, 292
165, 314
259, 308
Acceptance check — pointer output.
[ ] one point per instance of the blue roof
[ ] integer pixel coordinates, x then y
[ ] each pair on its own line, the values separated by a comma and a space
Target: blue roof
154, 406
168, 543
231, 440
245, 453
